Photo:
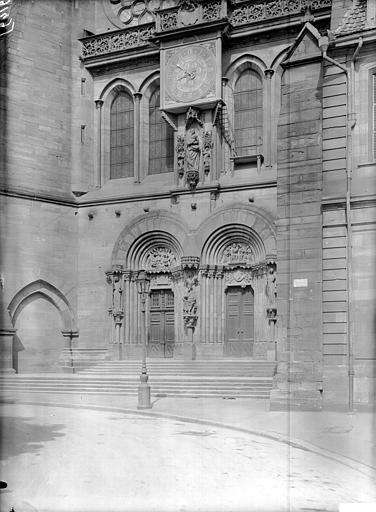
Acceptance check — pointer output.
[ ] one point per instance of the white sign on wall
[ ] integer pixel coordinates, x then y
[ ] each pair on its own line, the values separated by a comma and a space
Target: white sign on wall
300, 283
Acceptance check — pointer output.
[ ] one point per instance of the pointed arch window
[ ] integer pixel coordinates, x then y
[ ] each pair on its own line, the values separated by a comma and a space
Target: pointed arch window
122, 136
161, 139
248, 113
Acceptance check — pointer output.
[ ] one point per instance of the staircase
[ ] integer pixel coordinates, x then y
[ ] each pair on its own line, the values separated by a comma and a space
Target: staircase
213, 378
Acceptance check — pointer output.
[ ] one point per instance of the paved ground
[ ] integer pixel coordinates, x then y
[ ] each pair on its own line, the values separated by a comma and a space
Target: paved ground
96, 453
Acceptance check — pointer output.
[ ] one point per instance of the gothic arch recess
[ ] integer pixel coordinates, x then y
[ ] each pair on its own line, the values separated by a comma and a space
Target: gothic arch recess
42, 289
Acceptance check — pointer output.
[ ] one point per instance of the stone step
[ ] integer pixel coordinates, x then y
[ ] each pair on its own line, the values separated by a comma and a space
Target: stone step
134, 378
185, 384
220, 378
194, 368
167, 386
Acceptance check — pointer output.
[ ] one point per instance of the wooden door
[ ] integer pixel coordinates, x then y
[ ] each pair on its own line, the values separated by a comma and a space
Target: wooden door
239, 322
162, 325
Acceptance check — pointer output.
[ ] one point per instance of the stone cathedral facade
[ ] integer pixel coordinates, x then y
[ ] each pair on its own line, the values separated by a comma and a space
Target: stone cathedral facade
225, 147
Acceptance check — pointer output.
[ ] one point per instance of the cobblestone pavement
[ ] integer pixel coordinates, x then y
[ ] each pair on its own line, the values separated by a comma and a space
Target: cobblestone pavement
80, 459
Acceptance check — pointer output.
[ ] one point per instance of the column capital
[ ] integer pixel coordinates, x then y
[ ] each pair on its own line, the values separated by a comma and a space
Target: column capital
269, 73
137, 96
99, 103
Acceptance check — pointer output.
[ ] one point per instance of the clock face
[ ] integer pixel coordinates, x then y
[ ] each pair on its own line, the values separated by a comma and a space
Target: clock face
190, 73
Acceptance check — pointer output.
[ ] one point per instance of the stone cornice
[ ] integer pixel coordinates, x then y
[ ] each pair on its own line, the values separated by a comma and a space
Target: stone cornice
146, 196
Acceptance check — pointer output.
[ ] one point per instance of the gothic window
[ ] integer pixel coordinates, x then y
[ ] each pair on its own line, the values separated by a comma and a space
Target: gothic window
121, 136
248, 113
161, 139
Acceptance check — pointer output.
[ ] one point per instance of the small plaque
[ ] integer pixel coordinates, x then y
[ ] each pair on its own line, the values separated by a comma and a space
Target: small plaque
300, 283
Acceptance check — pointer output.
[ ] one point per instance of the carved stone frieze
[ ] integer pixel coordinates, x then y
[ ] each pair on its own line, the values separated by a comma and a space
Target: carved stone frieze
212, 10
168, 20
207, 149
239, 277
189, 12
251, 12
160, 259
101, 44
190, 262
160, 280
180, 154
237, 253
